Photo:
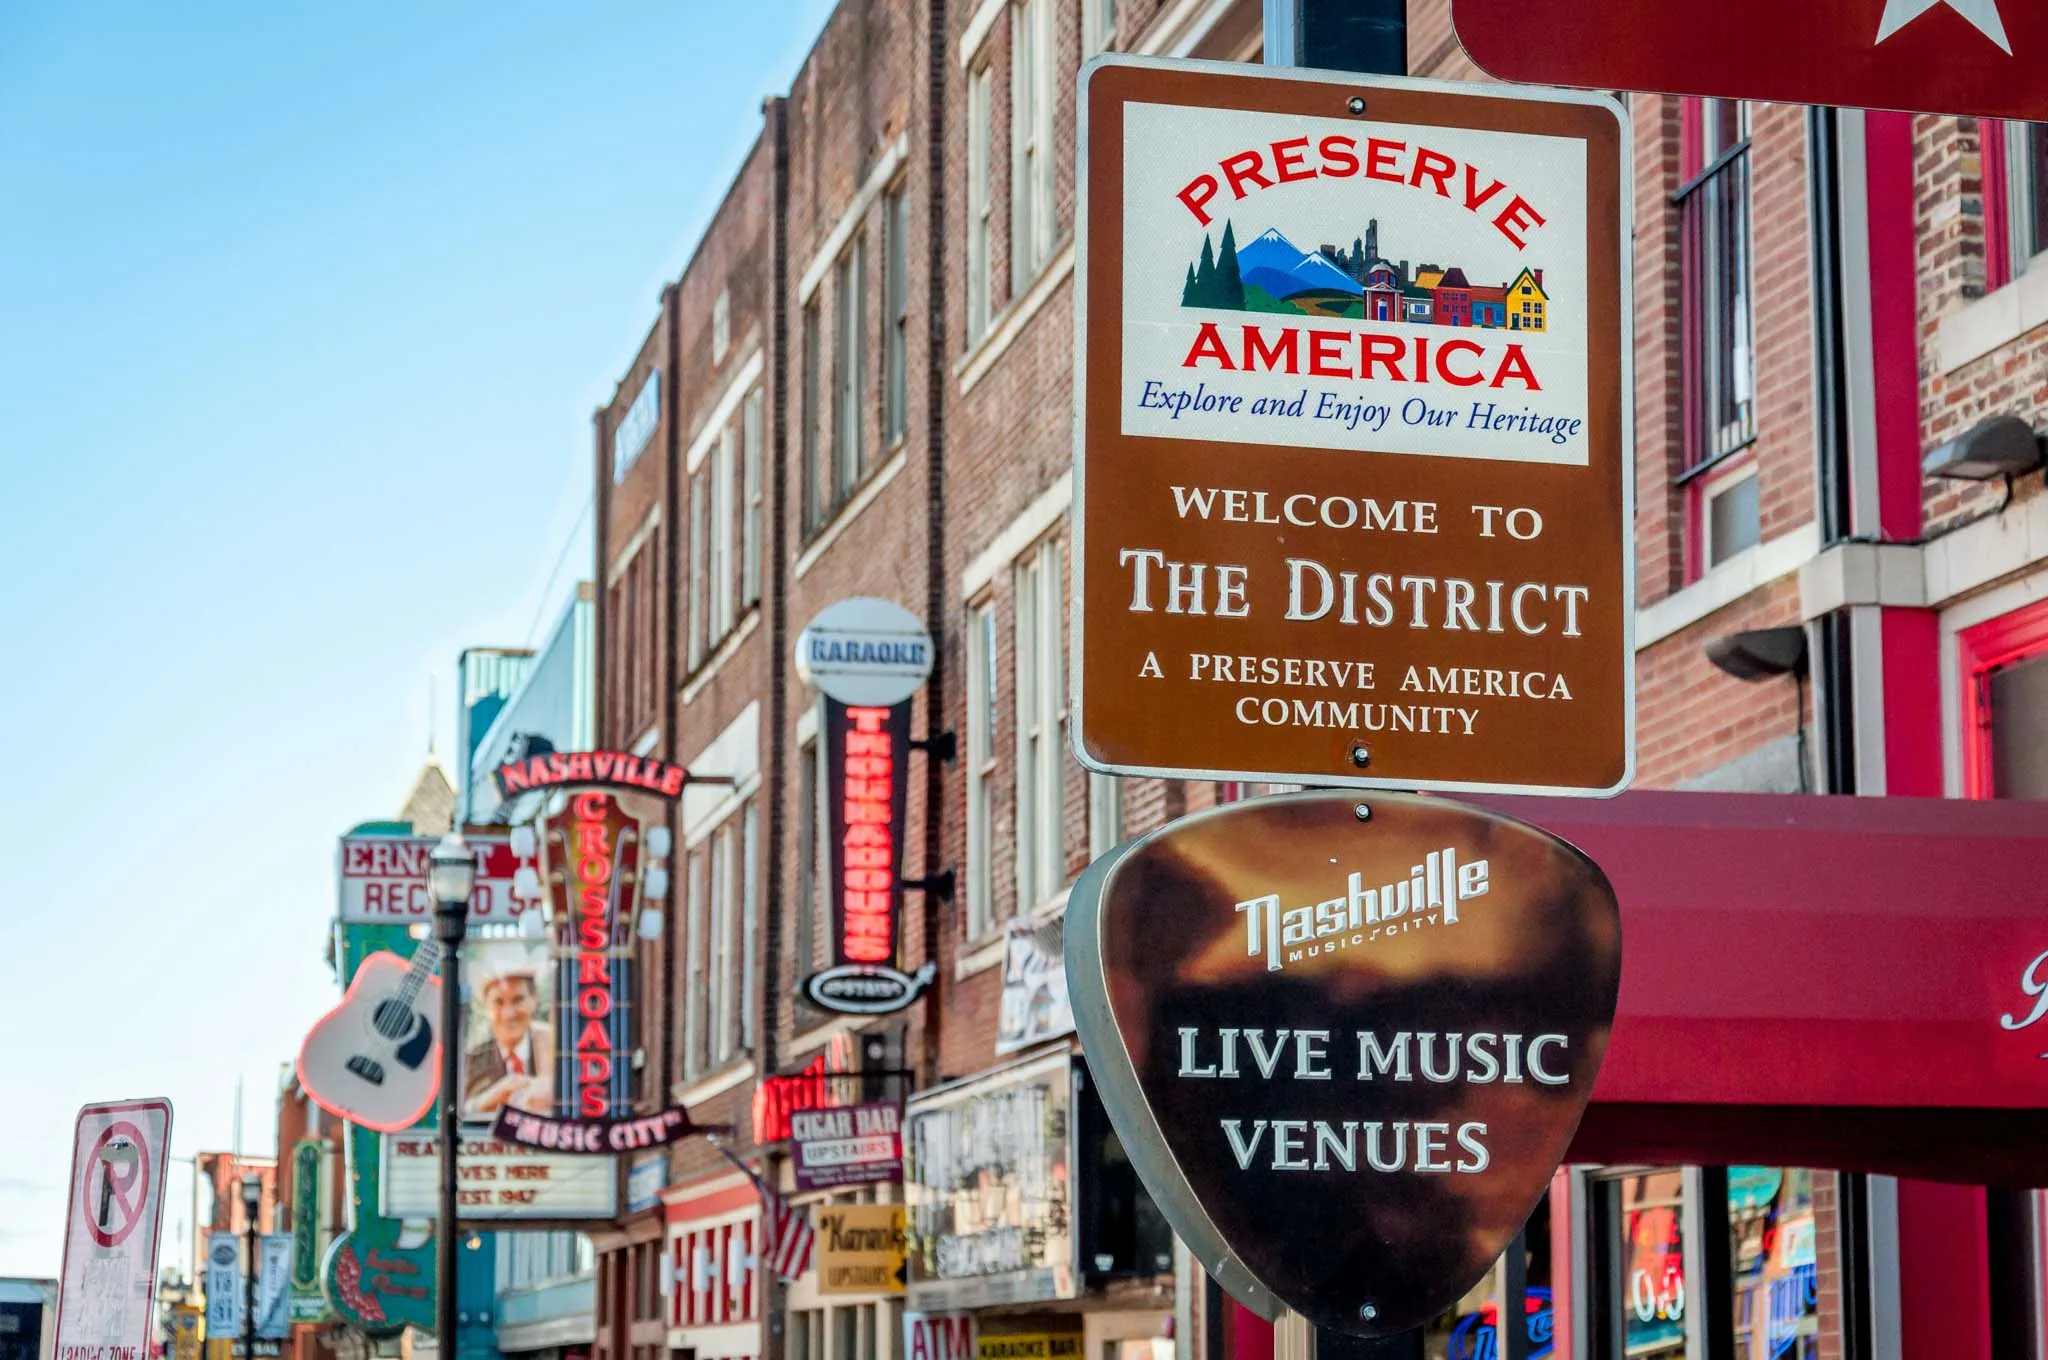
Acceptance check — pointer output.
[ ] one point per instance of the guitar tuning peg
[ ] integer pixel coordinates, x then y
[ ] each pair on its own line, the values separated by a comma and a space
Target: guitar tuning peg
533, 923
526, 882
651, 922
522, 842
655, 884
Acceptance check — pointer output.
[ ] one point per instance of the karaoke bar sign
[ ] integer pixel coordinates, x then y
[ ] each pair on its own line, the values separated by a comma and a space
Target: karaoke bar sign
1381, 1032
593, 1135
592, 769
865, 747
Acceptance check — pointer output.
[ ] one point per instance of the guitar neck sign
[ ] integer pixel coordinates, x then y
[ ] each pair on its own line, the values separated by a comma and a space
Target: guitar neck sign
1378, 1033
595, 769
1352, 491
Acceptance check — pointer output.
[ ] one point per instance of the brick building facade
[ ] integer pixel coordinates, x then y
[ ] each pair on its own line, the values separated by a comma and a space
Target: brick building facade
861, 385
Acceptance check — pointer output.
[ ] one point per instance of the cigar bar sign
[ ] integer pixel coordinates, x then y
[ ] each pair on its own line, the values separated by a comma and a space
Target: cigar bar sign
1353, 503
1381, 1032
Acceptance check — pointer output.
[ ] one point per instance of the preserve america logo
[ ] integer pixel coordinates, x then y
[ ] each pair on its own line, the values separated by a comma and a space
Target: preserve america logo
1430, 896
1349, 284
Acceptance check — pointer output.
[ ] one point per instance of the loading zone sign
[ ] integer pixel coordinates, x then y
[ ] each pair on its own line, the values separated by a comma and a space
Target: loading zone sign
113, 1214
1354, 461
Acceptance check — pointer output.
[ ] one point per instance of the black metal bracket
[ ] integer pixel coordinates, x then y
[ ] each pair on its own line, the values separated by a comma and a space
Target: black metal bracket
942, 745
692, 777
939, 884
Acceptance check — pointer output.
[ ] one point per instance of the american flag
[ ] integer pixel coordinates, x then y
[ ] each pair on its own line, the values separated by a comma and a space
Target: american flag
789, 1237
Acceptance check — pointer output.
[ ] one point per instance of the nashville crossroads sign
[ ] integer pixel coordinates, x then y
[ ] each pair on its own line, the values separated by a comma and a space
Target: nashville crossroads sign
1351, 477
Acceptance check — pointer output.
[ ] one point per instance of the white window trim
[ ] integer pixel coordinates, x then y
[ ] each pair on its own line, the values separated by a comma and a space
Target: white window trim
1092, 26
834, 244
1020, 533
1715, 485
980, 213
1768, 561
707, 669
623, 558
1038, 172
1993, 321
864, 496
1040, 865
713, 1083
978, 28
981, 768
1004, 327
1183, 26
722, 410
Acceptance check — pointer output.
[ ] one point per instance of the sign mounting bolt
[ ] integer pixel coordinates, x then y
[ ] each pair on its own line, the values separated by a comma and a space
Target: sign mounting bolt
1357, 104
1368, 1312
1359, 755
1362, 811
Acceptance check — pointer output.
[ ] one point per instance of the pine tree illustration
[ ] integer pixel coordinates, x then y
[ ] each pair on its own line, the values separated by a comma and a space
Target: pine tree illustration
1205, 276
1229, 283
1187, 292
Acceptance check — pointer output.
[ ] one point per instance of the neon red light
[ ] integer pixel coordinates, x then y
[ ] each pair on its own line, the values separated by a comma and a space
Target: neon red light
590, 858
868, 852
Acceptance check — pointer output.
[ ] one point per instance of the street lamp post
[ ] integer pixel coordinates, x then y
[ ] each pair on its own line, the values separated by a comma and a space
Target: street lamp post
451, 875
252, 1203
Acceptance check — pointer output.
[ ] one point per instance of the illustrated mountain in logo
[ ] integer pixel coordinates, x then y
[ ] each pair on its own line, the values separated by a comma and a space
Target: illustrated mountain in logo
1282, 269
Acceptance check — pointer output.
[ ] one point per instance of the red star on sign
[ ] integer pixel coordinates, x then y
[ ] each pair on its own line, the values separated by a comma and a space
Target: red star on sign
1978, 57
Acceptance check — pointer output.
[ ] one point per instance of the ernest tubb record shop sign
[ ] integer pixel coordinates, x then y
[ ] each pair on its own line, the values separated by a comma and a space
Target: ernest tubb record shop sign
1353, 432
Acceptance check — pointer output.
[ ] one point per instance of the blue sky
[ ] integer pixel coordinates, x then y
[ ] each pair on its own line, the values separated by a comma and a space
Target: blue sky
303, 314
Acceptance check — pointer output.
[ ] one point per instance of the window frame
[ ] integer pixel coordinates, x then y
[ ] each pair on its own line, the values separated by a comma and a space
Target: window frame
1031, 98
721, 325
1720, 482
980, 198
849, 451
753, 495
1098, 27
983, 698
2014, 156
896, 312
1715, 455
1995, 644
812, 438
1039, 709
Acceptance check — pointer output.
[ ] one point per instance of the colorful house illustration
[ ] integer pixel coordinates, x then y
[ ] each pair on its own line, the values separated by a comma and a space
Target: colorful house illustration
1417, 304
1453, 299
1382, 292
1489, 307
1525, 301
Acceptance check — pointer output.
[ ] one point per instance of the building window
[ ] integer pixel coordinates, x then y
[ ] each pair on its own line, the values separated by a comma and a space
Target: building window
1730, 512
721, 325
724, 459
807, 1334
896, 314
2005, 675
749, 924
1716, 318
809, 814
723, 921
2015, 198
1040, 691
702, 634
751, 494
813, 417
846, 408
1098, 27
1105, 813
1030, 142
981, 769
980, 205
696, 1055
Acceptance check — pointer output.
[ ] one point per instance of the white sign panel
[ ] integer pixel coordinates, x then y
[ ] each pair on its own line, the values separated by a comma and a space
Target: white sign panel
865, 652
224, 1286
939, 1336
113, 1216
384, 880
1343, 283
497, 1180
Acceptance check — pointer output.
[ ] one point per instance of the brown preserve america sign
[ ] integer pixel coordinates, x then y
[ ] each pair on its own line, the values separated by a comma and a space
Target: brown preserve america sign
1354, 432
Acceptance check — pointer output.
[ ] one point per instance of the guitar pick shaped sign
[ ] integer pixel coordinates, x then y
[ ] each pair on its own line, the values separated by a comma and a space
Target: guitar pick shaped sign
1345, 1054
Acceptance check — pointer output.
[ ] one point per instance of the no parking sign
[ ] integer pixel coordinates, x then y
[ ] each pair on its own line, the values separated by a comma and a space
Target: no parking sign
113, 1217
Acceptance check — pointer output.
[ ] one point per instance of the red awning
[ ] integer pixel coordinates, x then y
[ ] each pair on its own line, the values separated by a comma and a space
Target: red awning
1829, 982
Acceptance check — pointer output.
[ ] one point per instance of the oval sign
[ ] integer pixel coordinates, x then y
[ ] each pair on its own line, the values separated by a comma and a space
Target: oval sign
1345, 1055
866, 988
865, 652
